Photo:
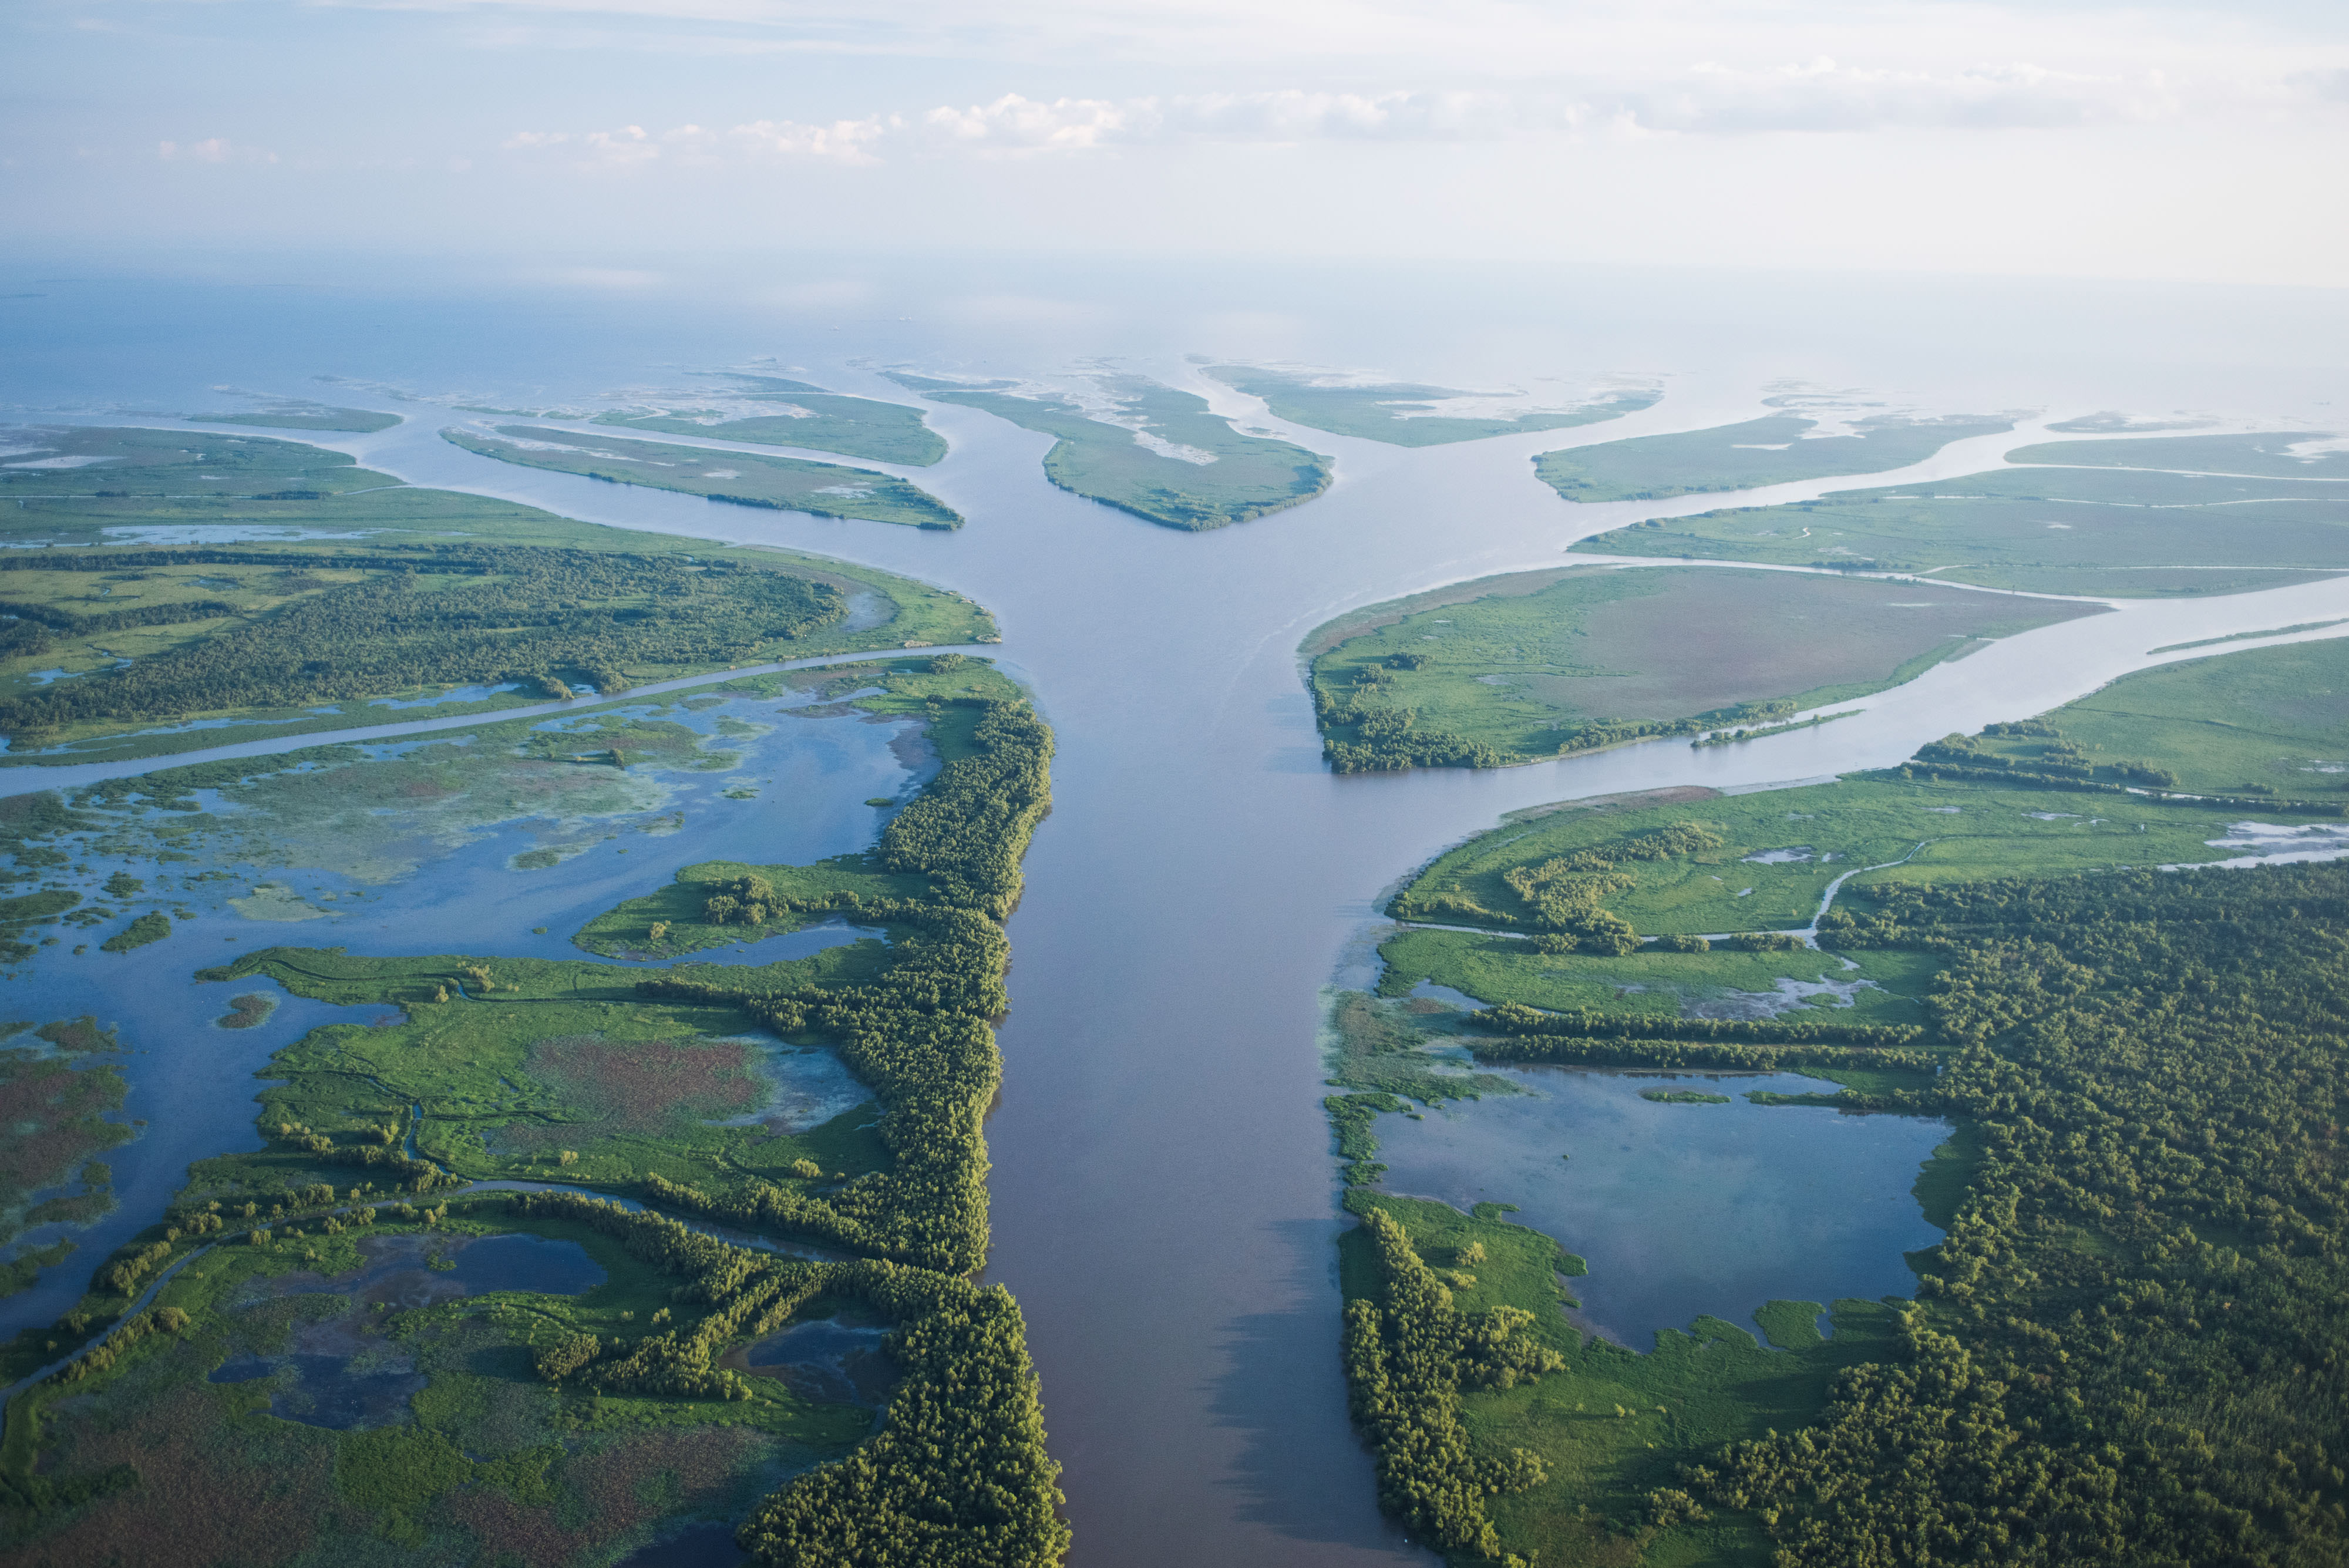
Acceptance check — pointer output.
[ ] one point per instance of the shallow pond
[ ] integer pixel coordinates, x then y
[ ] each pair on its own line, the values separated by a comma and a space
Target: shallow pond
339, 1372
1682, 1210
828, 1359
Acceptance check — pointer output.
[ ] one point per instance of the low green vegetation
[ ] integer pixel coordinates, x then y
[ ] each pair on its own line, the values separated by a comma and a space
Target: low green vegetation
205, 608
1152, 451
522, 1426
1405, 413
2110, 532
777, 412
296, 414
1651, 981
519, 1068
2266, 722
1779, 849
151, 926
1537, 664
744, 479
1776, 449
2270, 455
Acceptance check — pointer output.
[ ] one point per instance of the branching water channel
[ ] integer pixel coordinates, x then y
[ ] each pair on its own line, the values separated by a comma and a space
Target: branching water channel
1164, 1196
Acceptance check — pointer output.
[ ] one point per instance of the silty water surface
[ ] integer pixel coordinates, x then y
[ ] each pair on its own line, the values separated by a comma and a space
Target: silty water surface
1163, 1195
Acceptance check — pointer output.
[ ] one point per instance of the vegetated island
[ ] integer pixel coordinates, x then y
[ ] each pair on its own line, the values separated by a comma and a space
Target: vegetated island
2122, 1350
1515, 668
300, 414
780, 411
1153, 451
2275, 454
2105, 530
745, 479
1406, 413
2112, 421
185, 584
406, 1362
1776, 449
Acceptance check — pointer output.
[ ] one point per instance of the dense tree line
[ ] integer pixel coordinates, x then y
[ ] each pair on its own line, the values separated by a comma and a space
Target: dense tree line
1408, 1355
455, 614
1391, 738
919, 1035
1562, 897
2134, 1346
27, 635
1384, 738
968, 828
957, 1476
1564, 893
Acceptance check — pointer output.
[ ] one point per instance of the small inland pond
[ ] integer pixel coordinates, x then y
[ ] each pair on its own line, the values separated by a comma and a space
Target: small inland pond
1681, 1209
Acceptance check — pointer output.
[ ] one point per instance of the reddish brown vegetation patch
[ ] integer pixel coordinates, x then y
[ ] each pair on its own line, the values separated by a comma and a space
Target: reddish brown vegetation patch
622, 1489
49, 1120
201, 1497
643, 1086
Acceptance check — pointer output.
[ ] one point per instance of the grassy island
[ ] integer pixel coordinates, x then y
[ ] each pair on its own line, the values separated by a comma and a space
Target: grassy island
1405, 413
744, 479
1156, 453
296, 414
1540, 664
2085, 529
566, 1370
2122, 1349
188, 590
777, 411
2270, 456
1776, 449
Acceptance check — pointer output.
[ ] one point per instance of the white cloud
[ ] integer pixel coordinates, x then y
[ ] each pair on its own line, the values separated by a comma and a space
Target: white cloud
213, 150
632, 147
1820, 95
843, 140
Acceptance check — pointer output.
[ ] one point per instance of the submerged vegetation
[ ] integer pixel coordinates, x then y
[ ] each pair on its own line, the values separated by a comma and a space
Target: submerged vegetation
1153, 451
1515, 668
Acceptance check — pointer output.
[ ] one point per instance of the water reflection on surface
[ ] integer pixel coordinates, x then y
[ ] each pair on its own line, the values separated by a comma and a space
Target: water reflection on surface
1682, 1210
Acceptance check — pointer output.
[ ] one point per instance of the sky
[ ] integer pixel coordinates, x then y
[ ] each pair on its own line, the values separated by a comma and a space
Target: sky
2165, 142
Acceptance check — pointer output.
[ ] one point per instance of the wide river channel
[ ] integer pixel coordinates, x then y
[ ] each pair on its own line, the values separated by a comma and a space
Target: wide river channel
1164, 1197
